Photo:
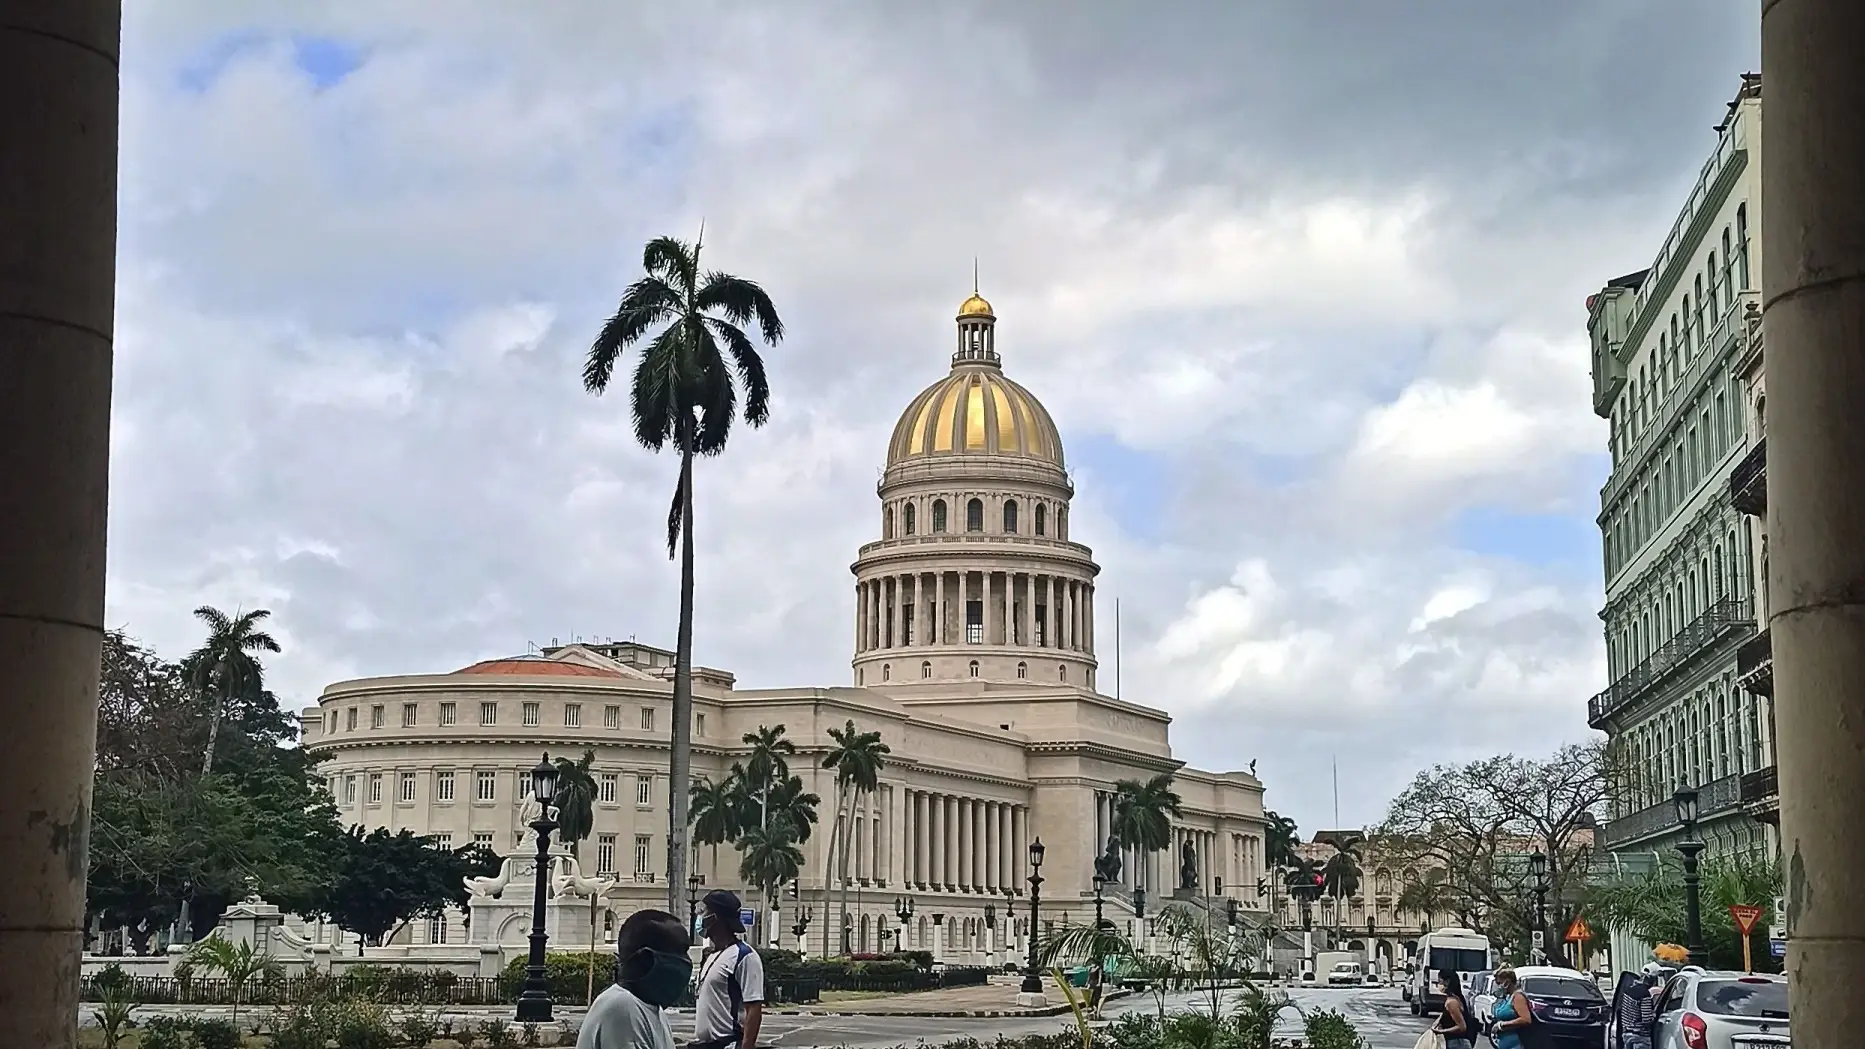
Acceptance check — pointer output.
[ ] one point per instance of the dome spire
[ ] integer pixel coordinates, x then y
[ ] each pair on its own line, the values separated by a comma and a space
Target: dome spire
976, 340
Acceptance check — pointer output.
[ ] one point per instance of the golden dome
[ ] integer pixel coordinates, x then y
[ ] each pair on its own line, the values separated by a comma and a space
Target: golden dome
976, 306
975, 410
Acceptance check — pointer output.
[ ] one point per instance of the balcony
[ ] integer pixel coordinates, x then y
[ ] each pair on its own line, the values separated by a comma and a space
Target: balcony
1727, 616
1714, 798
1748, 482
1761, 795
1754, 665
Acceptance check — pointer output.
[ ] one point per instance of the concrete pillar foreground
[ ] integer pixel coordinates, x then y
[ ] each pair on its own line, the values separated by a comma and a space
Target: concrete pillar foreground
58, 165
1813, 290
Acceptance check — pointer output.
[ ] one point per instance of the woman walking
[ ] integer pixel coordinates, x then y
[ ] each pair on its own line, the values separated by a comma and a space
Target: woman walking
1455, 1024
1510, 1012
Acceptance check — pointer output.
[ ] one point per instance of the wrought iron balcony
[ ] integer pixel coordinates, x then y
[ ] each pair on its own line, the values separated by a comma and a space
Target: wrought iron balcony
1748, 482
1713, 798
1754, 665
1761, 794
1717, 621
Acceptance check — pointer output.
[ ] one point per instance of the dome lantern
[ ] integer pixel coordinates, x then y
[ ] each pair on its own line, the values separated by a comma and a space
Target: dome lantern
976, 321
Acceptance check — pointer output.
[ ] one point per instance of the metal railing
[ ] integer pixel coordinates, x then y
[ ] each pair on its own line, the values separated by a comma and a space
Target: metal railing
1748, 481
1761, 786
1716, 621
1713, 798
1756, 659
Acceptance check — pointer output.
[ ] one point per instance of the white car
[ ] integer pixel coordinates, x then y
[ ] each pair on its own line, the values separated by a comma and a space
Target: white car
1351, 974
1722, 1010
1480, 992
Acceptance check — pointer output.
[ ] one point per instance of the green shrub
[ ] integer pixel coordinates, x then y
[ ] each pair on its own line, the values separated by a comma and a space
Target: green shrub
498, 1034
567, 971
164, 1032
418, 1028
215, 1034
110, 978
1327, 1029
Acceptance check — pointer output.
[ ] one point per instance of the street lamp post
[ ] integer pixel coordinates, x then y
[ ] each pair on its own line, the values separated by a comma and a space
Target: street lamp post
1098, 883
1032, 978
801, 928
1538, 870
1691, 847
903, 909
694, 883
534, 1003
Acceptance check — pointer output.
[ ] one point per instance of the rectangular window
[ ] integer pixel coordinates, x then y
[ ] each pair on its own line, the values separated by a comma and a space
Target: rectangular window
483, 839
609, 785
644, 790
437, 929
376, 716
906, 625
408, 715
647, 719
349, 790
573, 715
488, 713
485, 786
642, 845
444, 842
699, 724
605, 854
349, 721
611, 717
529, 715
974, 622
407, 786
375, 788
448, 714
443, 785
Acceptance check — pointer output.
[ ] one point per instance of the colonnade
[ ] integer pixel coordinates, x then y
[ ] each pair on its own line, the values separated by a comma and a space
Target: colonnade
961, 844
1032, 609
1235, 857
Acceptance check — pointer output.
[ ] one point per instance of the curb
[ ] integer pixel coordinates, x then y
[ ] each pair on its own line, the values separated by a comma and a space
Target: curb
974, 1014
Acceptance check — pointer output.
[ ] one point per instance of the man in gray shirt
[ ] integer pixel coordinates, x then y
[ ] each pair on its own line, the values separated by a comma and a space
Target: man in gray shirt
729, 1003
652, 972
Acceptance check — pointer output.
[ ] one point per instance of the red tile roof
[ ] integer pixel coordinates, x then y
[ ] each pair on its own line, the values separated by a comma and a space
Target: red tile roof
534, 666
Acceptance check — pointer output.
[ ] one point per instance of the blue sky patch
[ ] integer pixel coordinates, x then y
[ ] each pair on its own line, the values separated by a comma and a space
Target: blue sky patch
1534, 539
1136, 483
325, 60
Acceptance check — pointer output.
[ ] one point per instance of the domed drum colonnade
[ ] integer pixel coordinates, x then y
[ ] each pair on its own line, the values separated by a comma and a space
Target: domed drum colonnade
974, 575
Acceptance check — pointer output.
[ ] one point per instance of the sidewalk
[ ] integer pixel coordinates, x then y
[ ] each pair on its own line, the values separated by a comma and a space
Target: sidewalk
990, 1000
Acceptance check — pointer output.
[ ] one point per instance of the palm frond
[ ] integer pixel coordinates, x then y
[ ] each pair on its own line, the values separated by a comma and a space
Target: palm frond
741, 301
750, 368
656, 395
646, 302
672, 261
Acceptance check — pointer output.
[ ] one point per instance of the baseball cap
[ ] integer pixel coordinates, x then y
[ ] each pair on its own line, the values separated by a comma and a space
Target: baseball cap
1653, 969
723, 903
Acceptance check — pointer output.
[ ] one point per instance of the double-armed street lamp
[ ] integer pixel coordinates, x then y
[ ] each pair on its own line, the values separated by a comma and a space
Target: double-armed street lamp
695, 883
801, 927
1032, 977
534, 1002
903, 909
1691, 846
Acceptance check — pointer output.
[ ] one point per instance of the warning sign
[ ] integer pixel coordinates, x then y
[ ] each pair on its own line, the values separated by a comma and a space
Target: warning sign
1578, 932
1745, 917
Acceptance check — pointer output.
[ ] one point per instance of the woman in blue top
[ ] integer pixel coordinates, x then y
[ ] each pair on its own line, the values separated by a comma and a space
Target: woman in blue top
1510, 1012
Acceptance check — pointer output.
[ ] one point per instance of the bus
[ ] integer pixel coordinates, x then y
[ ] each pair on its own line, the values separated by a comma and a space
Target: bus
1462, 951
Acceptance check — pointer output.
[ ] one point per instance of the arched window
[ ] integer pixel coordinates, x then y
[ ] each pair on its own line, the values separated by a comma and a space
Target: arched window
1039, 519
1728, 271
974, 668
938, 521
1702, 320
1715, 292
887, 671
1010, 515
887, 523
974, 516
1023, 671
1062, 672
1062, 522
925, 671
907, 518
1741, 241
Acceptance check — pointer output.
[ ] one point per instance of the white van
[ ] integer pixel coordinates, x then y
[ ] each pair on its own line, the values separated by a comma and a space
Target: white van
1459, 950
1352, 974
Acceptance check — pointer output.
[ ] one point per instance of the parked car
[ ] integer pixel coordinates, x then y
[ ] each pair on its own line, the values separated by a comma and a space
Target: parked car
1480, 992
1722, 1010
1567, 1005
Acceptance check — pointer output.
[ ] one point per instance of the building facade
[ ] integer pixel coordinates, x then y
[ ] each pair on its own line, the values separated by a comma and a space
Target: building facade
974, 657
1667, 350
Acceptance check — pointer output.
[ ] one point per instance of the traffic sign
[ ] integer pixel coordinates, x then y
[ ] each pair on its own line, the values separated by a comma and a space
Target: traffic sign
746, 916
1745, 917
1536, 939
1578, 931
1778, 948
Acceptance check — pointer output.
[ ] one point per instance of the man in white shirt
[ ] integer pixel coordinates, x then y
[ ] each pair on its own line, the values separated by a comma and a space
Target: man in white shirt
652, 972
729, 1004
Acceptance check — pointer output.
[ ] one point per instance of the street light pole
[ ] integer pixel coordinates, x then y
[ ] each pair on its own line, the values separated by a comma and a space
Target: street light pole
1032, 978
1691, 847
903, 909
1538, 869
1098, 882
694, 883
534, 1003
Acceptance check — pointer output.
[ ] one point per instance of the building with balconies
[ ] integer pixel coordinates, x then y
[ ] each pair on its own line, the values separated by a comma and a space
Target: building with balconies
1668, 347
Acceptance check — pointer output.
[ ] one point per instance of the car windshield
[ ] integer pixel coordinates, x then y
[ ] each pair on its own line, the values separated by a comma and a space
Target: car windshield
1562, 987
1757, 998
1479, 983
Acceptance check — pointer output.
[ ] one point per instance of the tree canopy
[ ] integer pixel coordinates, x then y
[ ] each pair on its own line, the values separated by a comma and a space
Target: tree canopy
382, 881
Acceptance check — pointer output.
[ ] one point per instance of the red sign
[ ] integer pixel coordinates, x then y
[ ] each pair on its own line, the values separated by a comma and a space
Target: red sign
1745, 917
1578, 931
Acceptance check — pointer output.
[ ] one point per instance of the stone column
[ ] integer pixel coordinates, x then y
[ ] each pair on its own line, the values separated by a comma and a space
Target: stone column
952, 853
977, 844
861, 642
935, 830
1006, 861
964, 605
1028, 619
992, 848
874, 611
1088, 620
1812, 226
965, 824
58, 213
1020, 844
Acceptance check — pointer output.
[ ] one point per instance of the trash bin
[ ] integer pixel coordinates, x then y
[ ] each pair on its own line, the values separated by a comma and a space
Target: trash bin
1078, 976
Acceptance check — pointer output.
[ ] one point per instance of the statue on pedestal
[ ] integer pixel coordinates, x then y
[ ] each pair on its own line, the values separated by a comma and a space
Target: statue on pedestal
1107, 865
1188, 866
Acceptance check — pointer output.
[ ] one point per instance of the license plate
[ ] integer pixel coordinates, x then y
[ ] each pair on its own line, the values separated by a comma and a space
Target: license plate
1567, 1014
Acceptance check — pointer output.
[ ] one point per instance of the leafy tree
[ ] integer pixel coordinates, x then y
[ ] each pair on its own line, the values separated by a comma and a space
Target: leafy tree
147, 718
857, 759
384, 881
223, 671
575, 799
685, 391
1143, 813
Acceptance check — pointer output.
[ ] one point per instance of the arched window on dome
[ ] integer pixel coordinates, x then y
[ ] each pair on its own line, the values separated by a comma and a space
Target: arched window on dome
1062, 672
1039, 519
887, 523
1010, 515
887, 671
974, 516
907, 518
925, 671
938, 521
1023, 671
974, 668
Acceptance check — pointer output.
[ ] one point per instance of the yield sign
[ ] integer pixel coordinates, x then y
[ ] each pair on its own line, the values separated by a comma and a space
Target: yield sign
1745, 917
1578, 932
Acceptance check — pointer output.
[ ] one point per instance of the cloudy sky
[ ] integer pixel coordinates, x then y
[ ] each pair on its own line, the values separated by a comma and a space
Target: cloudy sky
1302, 284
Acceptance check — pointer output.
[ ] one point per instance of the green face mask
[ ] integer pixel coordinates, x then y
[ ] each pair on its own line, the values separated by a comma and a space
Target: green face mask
657, 977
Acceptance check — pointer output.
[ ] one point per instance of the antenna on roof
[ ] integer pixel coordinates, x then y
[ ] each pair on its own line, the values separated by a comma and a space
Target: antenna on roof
974, 274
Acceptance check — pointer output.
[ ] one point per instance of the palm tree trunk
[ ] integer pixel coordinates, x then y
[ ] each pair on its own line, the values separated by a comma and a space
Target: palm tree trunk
831, 924
680, 767
213, 722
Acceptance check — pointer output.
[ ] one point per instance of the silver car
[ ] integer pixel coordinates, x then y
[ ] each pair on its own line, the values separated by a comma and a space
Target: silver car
1722, 1010
1480, 992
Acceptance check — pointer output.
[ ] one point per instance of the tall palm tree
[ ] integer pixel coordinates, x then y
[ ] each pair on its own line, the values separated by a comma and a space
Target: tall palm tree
767, 765
1430, 895
715, 813
1143, 813
791, 805
1341, 875
1279, 840
575, 799
685, 391
223, 670
857, 759
768, 858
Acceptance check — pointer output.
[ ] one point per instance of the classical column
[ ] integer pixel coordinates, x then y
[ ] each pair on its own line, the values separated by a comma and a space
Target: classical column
58, 214
992, 852
951, 841
896, 613
1068, 614
964, 606
889, 836
967, 851
860, 618
1088, 620
977, 845
935, 831
1812, 230
1020, 845
1028, 618
918, 817
874, 611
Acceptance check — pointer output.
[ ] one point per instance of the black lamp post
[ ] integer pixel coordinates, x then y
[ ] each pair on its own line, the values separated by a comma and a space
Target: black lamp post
1691, 847
903, 909
1098, 883
694, 883
1032, 979
1538, 870
534, 1003
801, 927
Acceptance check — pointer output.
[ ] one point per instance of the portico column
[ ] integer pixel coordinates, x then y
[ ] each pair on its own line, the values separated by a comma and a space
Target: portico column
1028, 618
58, 221
895, 611
861, 643
874, 615
1020, 843
1812, 232
977, 845
935, 840
1006, 879
965, 825
952, 854
1088, 620
964, 607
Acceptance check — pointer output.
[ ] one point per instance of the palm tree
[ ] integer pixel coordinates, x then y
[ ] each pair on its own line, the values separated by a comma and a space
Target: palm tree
1304, 881
769, 857
1341, 875
223, 669
685, 391
767, 766
1143, 815
715, 813
575, 799
238, 964
1431, 894
794, 807
1279, 840
857, 758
